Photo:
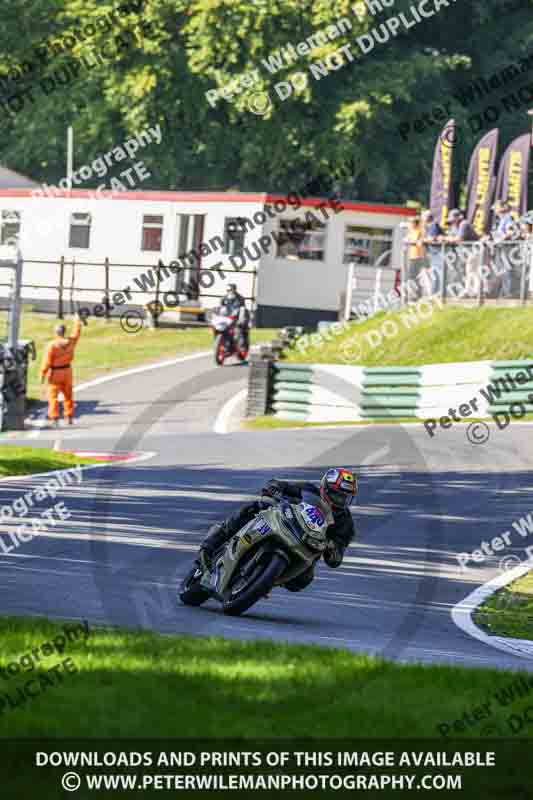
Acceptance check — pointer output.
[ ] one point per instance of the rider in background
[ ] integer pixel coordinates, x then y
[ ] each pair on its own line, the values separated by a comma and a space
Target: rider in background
234, 304
337, 489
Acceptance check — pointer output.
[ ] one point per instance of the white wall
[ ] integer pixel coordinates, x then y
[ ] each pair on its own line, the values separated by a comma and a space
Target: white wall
317, 284
116, 234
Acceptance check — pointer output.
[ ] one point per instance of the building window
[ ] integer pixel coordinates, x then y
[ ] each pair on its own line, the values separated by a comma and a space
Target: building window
152, 234
368, 246
301, 240
10, 227
80, 231
234, 234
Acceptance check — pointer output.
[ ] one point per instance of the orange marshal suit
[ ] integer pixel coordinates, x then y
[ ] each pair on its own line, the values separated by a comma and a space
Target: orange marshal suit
56, 365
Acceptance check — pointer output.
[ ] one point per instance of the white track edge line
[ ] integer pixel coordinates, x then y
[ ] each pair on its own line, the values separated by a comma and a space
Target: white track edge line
136, 370
224, 415
39, 424
462, 612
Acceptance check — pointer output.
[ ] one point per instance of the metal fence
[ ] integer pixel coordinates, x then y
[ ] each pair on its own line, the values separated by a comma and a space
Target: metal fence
369, 289
474, 271
67, 282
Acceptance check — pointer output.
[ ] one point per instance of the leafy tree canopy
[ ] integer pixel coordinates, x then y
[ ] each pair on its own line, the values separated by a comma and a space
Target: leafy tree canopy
338, 129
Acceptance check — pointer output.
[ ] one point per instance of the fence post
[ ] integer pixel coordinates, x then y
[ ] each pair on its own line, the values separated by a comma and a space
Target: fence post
157, 283
106, 268
403, 261
253, 291
524, 249
13, 315
480, 295
443, 273
529, 268
349, 293
60, 299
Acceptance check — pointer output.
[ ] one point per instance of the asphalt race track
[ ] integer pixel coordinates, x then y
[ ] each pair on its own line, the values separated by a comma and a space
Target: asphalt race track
134, 527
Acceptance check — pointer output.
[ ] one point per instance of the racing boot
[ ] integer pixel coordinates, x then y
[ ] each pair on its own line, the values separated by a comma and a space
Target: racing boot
301, 581
216, 537
205, 558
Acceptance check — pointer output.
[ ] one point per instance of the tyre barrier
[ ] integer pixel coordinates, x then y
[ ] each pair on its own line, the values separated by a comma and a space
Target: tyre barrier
335, 393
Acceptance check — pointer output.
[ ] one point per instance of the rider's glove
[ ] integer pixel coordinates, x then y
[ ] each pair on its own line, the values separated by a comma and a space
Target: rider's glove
272, 489
333, 554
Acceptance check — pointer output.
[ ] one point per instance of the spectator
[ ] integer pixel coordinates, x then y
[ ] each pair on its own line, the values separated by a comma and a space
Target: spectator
461, 231
416, 253
504, 229
526, 233
433, 234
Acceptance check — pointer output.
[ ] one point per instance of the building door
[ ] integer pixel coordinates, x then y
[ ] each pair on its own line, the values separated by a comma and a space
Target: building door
189, 238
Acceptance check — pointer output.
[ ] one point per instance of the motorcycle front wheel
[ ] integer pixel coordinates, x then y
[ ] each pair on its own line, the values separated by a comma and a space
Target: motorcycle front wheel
220, 349
247, 590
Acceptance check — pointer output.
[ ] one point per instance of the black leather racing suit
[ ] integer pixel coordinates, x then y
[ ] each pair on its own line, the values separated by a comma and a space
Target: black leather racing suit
339, 534
236, 305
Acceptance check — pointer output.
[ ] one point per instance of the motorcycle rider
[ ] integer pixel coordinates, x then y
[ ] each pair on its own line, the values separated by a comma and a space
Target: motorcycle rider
337, 489
234, 303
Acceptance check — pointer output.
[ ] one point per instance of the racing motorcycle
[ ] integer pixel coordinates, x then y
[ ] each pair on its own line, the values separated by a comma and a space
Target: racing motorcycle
278, 544
226, 338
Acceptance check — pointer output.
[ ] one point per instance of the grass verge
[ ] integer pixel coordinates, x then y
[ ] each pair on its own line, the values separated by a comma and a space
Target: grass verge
269, 422
453, 334
509, 612
104, 347
16, 460
121, 683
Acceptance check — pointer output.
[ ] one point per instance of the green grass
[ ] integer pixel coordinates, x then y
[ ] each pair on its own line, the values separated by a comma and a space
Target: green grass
448, 335
509, 612
269, 421
104, 347
137, 683
16, 460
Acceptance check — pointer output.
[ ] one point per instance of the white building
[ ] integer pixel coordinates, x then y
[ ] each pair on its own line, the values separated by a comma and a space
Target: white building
291, 257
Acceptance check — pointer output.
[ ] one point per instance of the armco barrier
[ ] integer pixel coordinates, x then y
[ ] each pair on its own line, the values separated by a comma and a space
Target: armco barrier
521, 391
331, 392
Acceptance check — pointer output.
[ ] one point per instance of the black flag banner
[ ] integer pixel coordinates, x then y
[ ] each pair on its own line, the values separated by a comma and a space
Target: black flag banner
442, 198
511, 186
481, 181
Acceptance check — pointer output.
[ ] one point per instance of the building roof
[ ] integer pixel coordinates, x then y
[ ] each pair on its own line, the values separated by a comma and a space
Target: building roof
9, 179
211, 197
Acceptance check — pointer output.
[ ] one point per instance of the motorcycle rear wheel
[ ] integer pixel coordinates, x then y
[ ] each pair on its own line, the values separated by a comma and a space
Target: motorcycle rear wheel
190, 592
260, 585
